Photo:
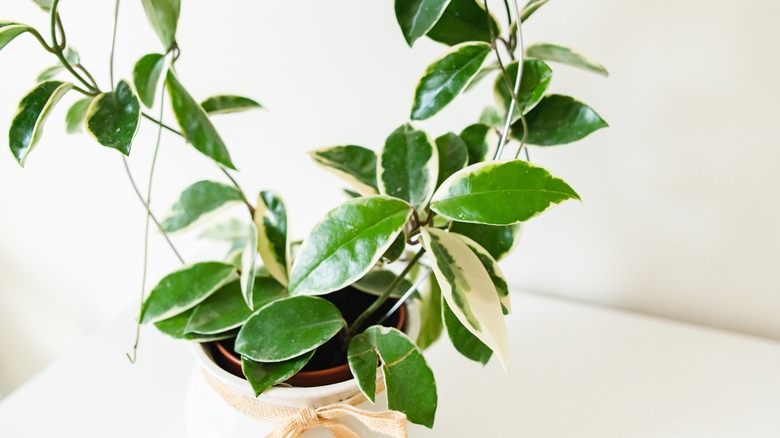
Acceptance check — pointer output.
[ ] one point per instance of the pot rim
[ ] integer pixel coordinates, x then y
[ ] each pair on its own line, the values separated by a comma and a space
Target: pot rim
207, 362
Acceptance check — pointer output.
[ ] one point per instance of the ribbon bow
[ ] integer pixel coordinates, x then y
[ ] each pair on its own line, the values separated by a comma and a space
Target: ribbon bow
294, 422
391, 423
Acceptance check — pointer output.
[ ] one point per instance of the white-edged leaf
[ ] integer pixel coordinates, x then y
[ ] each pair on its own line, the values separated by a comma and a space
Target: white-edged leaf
196, 201
354, 164
347, 243
248, 263
409, 166
468, 290
34, 109
565, 55
492, 268
271, 222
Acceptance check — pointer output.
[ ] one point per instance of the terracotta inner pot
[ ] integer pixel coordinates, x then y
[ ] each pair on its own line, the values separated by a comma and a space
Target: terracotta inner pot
314, 374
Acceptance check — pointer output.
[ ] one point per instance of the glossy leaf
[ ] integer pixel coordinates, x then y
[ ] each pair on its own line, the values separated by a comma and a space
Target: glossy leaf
468, 290
477, 139
298, 325
185, 288
49, 73
485, 72
530, 8
27, 126
559, 120
497, 240
146, 76
565, 55
493, 270
447, 77
196, 201
271, 222
265, 375
463, 21
113, 118
10, 30
499, 193
417, 17
195, 123
163, 15
411, 387
222, 311
429, 304
226, 104
534, 82
376, 283
354, 164
462, 339
396, 250
408, 166
266, 289
453, 155
347, 243
248, 264
175, 327
74, 118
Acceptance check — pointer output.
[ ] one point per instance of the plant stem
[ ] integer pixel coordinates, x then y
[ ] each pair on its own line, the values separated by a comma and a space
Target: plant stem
58, 50
113, 45
148, 210
353, 330
163, 125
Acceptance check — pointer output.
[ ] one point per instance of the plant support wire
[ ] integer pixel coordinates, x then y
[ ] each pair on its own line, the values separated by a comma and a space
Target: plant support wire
406, 295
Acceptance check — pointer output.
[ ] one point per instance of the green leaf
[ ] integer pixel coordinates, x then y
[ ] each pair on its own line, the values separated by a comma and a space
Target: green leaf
298, 325
462, 21
27, 126
226, 104
411, 387
417, 17
477, 139
430, 314
447, 77
565, 55
396, 250
231, 230
248, 263
266, 289
45, 5
163, 15
408, 166
497, 240
499, 193
530, 8
195, 123
222, 311
175, 328
72, 56
453, 155
363, 361
185, 288
265, 375
493, 270
377, 281
50, 73
347, 243
10, 30
197, 200
354, 164
485, 72
468, 289
74, 118
559, 120
490, 117
146, 76
271, 222
113, 118
534, 82
466, 343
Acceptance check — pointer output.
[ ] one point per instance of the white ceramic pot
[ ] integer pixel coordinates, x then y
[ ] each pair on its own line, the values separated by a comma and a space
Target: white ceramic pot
210, 416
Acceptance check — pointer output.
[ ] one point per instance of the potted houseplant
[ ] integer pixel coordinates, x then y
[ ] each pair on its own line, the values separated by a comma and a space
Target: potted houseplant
349, 309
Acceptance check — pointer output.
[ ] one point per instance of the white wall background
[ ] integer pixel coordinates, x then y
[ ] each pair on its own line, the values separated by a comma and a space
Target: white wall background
680, 215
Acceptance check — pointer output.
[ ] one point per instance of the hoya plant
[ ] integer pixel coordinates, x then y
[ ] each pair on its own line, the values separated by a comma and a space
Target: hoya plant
427, 220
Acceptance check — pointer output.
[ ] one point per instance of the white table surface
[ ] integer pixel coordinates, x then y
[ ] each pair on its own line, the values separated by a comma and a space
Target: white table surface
576, 371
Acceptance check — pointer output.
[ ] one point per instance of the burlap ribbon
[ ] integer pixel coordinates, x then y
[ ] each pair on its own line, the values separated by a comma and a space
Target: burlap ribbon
293, 422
